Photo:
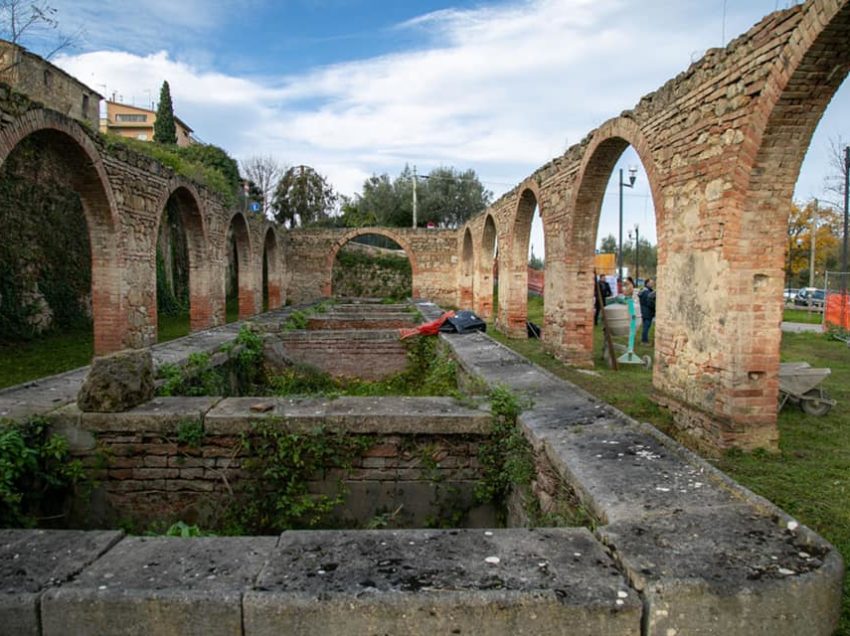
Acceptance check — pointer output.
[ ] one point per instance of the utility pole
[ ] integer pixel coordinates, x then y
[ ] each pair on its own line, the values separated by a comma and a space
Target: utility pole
846, 206
812, 245
414, 197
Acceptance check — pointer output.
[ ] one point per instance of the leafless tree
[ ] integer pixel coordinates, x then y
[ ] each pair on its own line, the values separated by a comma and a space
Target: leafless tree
34, 22
833, 183
265, 171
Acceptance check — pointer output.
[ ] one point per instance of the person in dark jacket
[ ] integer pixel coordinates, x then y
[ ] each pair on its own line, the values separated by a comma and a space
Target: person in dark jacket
647, 309
604, 292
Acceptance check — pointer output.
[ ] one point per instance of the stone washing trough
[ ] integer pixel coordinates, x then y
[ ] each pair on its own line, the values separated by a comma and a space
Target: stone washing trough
679, 549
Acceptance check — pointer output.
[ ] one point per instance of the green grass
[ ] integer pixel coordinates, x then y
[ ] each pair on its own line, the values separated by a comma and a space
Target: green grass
802, 315
51, 354
171, 327
65, 350
810, 475
231, 309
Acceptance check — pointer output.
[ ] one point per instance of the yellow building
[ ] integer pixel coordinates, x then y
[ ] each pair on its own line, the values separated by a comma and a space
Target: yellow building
137, 123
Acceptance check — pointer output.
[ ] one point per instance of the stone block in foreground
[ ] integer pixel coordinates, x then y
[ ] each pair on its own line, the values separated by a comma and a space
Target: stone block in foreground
117, 382
34, 560
160, 585
427, 582
729, 570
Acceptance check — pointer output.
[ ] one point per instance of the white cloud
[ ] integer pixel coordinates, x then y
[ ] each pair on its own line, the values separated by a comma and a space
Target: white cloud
500, 89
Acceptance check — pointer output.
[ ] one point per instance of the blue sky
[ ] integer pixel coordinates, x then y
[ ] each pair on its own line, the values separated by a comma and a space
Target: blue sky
355, 87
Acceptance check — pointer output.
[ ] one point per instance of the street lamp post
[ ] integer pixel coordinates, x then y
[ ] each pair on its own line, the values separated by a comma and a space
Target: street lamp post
637, 251
630, 184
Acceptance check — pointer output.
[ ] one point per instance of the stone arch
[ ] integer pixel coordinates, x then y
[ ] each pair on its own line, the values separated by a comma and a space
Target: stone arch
467, 268
194, 224
272, 265
797, 91
483, 281
89, 179
327, 287
513, 281
244, 269
608, 142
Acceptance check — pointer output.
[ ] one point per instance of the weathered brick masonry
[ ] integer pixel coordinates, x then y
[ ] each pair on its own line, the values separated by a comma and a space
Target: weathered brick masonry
722, 145
418, 453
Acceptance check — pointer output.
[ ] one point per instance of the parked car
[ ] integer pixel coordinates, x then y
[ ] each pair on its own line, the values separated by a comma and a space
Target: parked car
790, 292
810, 297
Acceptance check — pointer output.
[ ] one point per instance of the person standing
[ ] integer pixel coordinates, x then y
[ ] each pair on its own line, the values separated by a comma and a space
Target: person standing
647, 309
604, 292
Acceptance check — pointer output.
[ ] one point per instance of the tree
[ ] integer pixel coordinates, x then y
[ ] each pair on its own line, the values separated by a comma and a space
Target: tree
265, 172
608, 245
800, 223
446, 197
165, 128
451, 197
302, 197
834, 181
32, 23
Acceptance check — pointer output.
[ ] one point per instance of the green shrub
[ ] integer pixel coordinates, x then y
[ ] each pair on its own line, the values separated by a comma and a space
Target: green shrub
507, 460
279, 465
36, 473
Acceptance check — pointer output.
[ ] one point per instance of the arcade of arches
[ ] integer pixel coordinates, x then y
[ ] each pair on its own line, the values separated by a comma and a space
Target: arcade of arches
722, 145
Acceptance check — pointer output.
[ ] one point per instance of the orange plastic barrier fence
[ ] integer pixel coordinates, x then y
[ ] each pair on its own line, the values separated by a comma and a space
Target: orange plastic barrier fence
838, 312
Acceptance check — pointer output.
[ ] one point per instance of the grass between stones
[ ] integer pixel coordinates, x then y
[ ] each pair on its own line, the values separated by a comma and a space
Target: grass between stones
810, 475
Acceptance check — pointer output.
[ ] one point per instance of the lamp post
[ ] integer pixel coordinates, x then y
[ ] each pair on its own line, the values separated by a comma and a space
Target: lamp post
637, 251
630, 184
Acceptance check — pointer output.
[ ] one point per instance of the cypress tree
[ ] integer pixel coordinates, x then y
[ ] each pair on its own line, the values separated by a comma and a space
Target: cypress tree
164, 128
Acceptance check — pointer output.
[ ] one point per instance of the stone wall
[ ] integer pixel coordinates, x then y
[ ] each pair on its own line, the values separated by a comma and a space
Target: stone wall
368, 355
421, 458
44, 82
367, 272
432, 255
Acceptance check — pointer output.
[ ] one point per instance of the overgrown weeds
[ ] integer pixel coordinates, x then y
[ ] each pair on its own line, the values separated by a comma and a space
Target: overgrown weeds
37, 474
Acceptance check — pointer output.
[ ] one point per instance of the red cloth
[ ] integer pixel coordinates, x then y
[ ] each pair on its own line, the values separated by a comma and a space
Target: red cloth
428, 329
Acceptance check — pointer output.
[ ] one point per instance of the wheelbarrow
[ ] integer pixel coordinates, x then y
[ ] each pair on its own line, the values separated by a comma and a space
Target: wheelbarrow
799, 382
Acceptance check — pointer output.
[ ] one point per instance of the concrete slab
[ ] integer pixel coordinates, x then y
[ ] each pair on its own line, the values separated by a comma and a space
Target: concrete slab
159, 415
160, 585
42, 395
426, 582
623, 473
729, 570
384, 415
34, 560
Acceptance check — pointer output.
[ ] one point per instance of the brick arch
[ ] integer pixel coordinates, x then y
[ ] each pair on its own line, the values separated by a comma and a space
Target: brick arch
194, 224
88, 178
244, 269
798, 89
327, 287
271, 256
513, 277
607, 144
483, 275
467, 269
